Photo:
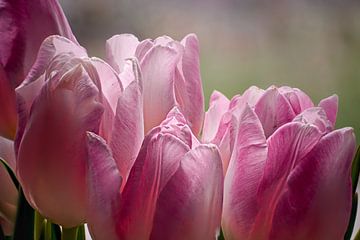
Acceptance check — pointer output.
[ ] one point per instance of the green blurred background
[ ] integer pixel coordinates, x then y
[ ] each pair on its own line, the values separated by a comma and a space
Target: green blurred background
310, 44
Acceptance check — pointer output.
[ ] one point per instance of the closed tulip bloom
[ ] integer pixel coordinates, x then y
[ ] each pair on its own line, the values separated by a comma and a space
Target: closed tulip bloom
289, 172
8, 191
174, 190
20, 40
170, 72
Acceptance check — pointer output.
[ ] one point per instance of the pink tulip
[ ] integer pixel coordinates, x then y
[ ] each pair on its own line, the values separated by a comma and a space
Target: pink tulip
8, 191
174, 190
170, 72
20, 40
289, 172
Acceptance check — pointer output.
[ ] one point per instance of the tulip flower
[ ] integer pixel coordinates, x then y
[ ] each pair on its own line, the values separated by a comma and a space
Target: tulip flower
20, 40
174, 190
170, 72
8, 191
289, 172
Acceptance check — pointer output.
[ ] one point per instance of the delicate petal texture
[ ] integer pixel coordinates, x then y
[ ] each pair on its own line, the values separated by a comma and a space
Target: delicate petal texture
286, 148
158, 69
317, 117
119, 48
273, 110
218, 105
104, 182
252, 95
157, 161
189, 207
243, 176
54, 144
143, 47
128, 130
317, 201
190, 96
7, 152
330, 105
21, 35
298, 100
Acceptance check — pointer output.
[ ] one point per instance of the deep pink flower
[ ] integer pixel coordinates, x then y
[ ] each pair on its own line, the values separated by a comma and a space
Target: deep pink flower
288, 176
20, 39
174, 190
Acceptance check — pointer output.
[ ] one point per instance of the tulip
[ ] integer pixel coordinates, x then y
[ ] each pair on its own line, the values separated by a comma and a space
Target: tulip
289, 172
170, 72
174, 190
20, 40
8, 191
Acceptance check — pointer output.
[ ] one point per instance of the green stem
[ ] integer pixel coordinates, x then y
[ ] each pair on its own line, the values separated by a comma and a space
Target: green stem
69, 233
39, 225
48, 230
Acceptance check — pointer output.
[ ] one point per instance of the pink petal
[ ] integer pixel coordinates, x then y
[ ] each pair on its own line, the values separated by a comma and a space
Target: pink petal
158, 160
119, 48
128, 130
104, 182
189, 207
316, 203
286, 149
218, 105
273, 110
143, 47
252, 95
243, 176
188, 83
330, 106
21, 36
7, 152
129, 73
54, 144
158, 69
8, 116
315, 116
304, 100
298, 100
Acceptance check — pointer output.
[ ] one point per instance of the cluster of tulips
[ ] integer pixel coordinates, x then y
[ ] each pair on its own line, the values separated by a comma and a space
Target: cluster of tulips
125, 146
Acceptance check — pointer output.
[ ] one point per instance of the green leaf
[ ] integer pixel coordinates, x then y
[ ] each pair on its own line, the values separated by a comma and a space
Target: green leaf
221, 236
55, 232
357, 236
24, 225
81, 233
355, 170
11, 173
350, 228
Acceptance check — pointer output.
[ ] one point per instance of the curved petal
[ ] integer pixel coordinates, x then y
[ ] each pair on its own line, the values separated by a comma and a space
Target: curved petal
243, 176
317, 201
54, 144
104, 182
189, 207
158, 69
119, 48
286, 149
188, 84
330, 106
142, 49
218, 105
7, 152
317, 117
21, 36
158, 160
128, 129
252, 95
273, 110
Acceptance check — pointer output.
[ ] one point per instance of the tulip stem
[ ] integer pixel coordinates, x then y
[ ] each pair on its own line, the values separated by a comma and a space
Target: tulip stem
39, 225
69, 233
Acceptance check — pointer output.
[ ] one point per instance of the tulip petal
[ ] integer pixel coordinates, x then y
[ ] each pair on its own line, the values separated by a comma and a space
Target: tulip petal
286, 149
273, 110
119, 48
330, 106
21, 36
54, 144
128, 130
188, 83
316, 203
243, 176
104, 182
317, 117
189, 207
8, 106
298, 100
143, 47
158, 160
158, 69
218, 105
7, 152
252, 95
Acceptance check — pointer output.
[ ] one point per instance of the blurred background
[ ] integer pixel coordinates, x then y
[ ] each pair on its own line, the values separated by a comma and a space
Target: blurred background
310, 44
